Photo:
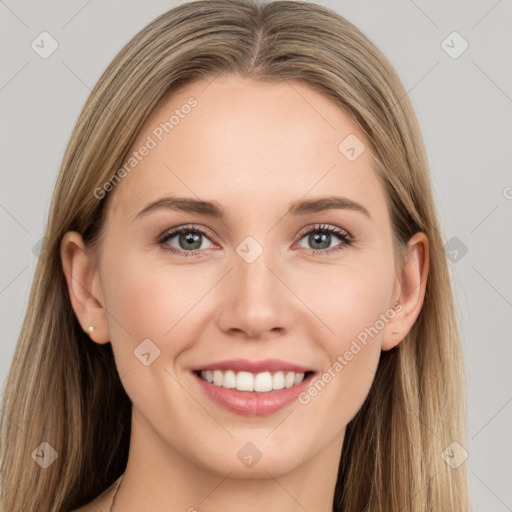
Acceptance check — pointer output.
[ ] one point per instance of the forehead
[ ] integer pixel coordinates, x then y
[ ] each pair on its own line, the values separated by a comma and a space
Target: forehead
231, 138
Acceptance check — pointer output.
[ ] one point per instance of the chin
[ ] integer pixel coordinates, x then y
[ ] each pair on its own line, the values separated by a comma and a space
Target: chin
250, 462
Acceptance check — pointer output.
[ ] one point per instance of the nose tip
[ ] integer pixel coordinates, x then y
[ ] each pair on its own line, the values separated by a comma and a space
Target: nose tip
255, 300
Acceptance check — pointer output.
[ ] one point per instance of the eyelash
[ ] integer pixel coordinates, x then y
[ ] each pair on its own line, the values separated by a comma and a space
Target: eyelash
343, 235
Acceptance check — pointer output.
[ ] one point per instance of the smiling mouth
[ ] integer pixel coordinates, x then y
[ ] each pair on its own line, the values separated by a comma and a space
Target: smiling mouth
263, 382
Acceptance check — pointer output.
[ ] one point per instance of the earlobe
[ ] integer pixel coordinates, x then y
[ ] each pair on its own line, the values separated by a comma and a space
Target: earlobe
411, 288
83, 286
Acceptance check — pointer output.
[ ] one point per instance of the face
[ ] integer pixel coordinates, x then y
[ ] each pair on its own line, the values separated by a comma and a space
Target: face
311, 287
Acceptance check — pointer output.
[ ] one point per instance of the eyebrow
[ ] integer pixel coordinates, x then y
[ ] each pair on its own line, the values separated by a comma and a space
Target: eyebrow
214, 209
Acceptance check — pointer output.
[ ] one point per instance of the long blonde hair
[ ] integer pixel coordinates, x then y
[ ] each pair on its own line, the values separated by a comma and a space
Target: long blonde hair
64, 390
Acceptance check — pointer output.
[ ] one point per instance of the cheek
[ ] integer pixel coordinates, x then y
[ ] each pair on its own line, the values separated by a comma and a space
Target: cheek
153, 298
354, 309
338, 393
348, 299
157, 301
152, 310
352, 356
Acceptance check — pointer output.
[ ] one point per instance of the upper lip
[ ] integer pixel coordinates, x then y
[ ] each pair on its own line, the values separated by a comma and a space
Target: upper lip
270, 365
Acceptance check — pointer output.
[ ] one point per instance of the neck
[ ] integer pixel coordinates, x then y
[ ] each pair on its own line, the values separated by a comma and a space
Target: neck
159, 478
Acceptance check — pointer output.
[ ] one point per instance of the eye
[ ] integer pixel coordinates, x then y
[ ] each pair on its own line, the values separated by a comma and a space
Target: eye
188, 238
321, 237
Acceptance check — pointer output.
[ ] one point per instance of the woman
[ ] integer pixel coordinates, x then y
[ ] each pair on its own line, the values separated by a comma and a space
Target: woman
245, 302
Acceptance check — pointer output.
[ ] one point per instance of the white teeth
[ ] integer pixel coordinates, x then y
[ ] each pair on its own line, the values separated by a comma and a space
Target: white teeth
217, 377
278, 380
299, 377
263, 382
246, 381
229, 379
289, 380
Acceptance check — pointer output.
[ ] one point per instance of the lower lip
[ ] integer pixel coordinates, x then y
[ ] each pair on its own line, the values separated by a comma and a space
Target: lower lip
246, 403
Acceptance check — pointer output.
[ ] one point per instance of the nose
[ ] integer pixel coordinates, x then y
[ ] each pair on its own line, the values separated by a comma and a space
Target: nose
256, 301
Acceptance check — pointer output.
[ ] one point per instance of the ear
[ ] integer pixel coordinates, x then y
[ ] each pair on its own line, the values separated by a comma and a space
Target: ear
83, 282
410, 291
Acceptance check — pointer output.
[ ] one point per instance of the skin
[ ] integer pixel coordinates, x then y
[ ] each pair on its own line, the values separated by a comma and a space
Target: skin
253, 148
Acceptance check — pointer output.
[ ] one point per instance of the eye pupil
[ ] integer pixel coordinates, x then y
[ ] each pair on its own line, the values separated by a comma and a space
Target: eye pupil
190, 238
319, 238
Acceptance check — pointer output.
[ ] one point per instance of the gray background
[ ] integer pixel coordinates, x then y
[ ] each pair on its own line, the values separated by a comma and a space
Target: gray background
464, 107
